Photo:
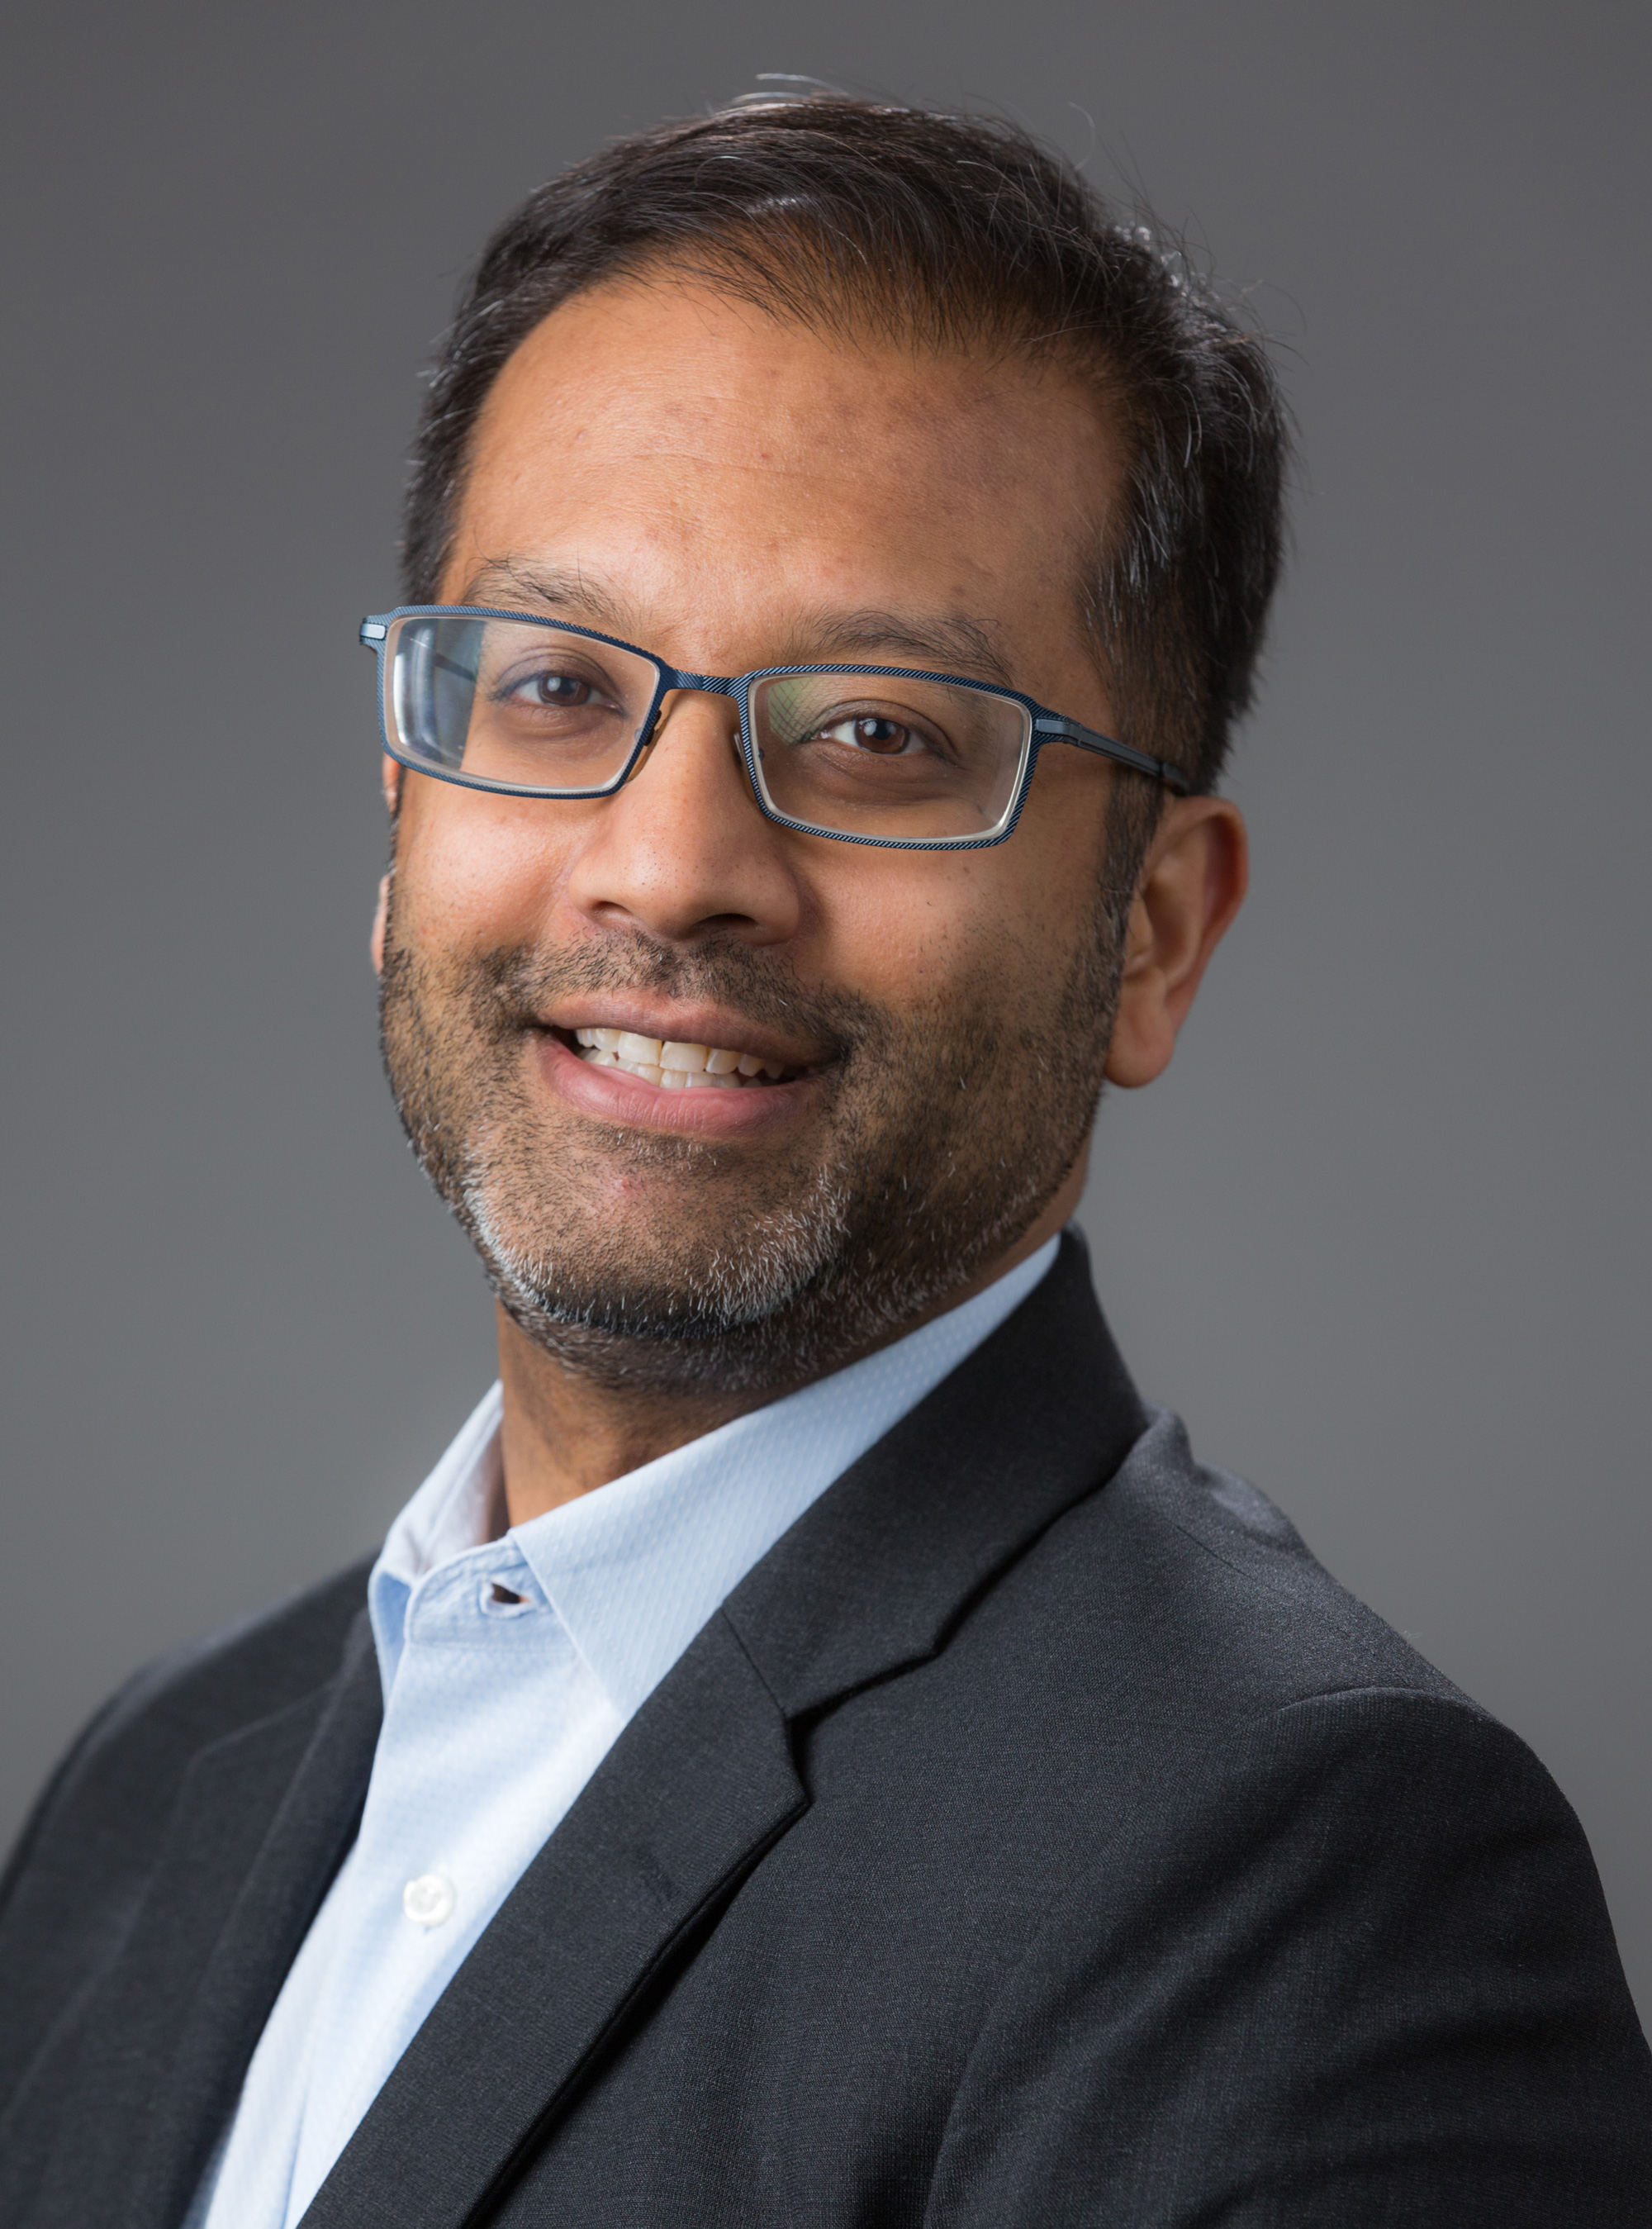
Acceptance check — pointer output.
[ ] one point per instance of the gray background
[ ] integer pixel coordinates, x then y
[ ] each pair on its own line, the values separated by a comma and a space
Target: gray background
1381, 1233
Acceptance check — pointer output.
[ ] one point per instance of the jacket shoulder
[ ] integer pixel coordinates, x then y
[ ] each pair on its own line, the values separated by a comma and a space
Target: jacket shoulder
194, 1695
1225, 1613
1319, 1928
78, 1869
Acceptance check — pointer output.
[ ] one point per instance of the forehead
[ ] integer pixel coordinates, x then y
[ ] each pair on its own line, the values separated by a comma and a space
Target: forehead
657, 429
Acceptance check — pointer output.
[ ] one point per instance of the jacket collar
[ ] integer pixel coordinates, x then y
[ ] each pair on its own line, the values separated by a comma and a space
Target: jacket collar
874, 1576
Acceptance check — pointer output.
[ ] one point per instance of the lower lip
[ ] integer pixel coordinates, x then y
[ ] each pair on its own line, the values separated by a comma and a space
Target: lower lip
613, 1096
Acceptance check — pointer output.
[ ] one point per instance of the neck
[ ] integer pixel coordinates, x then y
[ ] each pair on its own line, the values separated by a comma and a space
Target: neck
565, 1433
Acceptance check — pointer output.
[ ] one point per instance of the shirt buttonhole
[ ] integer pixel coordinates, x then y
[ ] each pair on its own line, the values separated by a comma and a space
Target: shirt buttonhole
498, 1600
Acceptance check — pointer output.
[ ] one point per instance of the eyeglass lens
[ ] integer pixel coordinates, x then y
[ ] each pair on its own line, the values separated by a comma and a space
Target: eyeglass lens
888, 755
527, 706
503, 701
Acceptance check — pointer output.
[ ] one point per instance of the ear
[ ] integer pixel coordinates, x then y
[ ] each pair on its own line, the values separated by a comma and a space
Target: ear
381, 911
1192, 884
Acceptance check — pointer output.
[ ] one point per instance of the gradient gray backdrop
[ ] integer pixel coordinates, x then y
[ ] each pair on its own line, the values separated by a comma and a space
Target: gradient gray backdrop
1382, 1234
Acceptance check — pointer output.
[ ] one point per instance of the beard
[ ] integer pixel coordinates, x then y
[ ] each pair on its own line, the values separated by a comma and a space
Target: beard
937, 1138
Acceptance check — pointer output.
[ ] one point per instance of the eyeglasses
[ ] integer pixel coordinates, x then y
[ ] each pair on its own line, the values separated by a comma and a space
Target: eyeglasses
529, 706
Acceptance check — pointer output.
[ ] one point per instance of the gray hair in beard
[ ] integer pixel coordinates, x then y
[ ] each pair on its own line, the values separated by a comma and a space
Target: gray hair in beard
944, 1136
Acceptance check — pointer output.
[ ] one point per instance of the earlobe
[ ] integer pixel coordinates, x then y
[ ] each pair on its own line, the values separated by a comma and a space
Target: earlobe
392, 779
1192, 884
380, 918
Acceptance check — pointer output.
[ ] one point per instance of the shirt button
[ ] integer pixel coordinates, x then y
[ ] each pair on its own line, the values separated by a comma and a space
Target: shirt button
430, 1899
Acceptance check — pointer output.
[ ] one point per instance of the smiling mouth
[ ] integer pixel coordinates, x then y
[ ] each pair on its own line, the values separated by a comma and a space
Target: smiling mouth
674, 1067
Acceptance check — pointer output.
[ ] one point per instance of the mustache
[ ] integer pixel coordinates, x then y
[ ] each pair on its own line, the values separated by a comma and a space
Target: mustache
519, 982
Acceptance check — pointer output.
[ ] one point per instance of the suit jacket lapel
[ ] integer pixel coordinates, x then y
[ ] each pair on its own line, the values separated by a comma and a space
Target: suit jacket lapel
876, 1573
261, 1822
701, 1782
697, 1787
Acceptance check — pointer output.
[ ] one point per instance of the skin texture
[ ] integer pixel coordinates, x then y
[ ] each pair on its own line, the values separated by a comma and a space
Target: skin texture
677, 469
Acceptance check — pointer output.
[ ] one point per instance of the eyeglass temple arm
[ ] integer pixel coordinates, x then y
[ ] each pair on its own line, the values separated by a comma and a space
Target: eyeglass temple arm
1051, 729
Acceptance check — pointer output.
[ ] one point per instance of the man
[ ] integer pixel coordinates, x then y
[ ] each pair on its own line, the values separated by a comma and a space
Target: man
817, 1749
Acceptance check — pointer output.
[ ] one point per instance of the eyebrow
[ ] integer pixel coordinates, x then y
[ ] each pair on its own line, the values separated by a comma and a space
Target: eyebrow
951, 642
564, 589
946, 642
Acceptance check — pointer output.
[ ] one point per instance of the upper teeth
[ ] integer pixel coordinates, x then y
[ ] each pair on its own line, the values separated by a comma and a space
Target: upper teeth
662, 1060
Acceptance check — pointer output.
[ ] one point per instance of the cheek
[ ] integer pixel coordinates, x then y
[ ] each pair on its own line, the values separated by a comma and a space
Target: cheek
912, 932
476, 872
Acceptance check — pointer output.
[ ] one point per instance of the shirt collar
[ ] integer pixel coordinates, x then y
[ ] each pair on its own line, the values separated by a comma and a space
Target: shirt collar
634, 1569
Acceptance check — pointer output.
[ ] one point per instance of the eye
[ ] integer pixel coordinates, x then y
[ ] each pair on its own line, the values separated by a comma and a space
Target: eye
563, 692
873, 732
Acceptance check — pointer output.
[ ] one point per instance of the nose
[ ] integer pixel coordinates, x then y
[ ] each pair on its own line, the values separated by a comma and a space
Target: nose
683, 850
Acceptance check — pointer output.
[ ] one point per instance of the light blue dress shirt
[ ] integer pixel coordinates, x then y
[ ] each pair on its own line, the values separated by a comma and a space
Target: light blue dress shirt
511, 1666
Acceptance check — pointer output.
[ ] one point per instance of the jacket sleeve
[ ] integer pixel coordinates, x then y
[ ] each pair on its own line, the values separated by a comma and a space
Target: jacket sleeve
1358, 1971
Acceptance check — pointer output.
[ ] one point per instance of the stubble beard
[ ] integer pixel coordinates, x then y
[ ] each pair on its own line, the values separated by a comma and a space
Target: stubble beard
941, 1137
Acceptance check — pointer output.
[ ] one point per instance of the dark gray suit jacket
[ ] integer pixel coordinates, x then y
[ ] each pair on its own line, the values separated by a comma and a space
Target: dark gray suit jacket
1038, 1836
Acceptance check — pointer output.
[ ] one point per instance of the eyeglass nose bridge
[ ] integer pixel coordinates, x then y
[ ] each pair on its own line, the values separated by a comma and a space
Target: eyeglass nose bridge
699, 684
673, 683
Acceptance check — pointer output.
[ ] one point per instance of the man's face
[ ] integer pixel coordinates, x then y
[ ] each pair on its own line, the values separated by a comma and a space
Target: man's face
676, 469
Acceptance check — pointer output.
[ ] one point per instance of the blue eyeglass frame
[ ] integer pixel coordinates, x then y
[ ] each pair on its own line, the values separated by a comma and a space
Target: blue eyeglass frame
1046, 727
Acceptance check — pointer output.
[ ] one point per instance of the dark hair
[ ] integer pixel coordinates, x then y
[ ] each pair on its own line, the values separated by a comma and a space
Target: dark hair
958, 231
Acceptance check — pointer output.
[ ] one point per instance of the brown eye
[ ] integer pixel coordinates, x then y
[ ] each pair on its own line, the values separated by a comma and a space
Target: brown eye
884, 736
563, 691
